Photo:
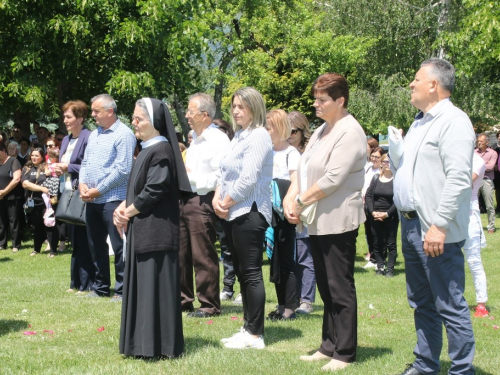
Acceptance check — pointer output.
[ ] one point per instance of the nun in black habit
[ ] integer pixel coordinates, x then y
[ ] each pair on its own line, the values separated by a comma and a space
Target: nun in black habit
151, 322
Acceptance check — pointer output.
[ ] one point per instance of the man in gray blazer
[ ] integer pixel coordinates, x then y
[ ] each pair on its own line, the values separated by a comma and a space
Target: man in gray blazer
432, 190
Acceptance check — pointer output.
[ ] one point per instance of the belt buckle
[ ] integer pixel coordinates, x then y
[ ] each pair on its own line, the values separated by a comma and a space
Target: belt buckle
407, 216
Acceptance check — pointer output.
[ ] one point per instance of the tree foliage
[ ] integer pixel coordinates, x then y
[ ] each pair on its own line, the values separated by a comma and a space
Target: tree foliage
75, 49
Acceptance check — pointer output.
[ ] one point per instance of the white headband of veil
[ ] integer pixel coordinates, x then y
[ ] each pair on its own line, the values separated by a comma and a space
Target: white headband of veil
149, 106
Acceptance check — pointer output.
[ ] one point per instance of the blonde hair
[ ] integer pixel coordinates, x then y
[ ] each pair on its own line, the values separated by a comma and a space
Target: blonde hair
278, 119
253, 101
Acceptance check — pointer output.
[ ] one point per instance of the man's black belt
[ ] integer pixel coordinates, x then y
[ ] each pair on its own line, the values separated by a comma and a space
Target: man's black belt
409, 214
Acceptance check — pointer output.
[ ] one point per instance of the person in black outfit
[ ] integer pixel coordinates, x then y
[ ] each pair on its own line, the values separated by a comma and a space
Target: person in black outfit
383, 217
11, 194
33, 177
151, 322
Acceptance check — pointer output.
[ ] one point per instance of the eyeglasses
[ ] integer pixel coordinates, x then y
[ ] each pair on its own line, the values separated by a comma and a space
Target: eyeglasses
385, 162
137, 118
294, 131
50, 146
190, 112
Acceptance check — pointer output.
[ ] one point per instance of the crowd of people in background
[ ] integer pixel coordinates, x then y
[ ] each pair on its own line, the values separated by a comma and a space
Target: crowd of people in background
263, 183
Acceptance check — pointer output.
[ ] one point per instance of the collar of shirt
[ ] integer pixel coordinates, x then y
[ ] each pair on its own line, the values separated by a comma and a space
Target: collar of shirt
112, 128
153, 141
432, 112
206, 134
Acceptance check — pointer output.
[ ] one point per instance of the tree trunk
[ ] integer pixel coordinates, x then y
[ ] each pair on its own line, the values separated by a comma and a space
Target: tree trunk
62, 90
23, 119
442, 24
181, 116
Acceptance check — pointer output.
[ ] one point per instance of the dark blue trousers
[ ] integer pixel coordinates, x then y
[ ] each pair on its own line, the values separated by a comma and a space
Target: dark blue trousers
435, 288
99, 225
82, 266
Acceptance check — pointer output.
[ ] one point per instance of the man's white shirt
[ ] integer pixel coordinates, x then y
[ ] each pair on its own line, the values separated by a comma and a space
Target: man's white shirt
203, 157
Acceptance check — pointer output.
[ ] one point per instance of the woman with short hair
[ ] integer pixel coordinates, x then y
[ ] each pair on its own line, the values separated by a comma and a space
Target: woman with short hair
306, 278
383, 218
330, 176
283, 262
82, 270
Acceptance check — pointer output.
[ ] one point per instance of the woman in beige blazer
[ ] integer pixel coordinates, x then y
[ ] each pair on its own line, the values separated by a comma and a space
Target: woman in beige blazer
331, 173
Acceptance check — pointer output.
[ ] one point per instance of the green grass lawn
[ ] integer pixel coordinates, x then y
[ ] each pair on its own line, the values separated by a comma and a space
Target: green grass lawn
69, 338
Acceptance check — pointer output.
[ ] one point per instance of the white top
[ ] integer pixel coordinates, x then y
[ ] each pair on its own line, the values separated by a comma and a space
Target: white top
369, 173
478, 167
403, 181
203, 158
65, 159
285, 162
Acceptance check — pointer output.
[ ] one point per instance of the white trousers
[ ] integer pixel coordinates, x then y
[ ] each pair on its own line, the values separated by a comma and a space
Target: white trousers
472, 252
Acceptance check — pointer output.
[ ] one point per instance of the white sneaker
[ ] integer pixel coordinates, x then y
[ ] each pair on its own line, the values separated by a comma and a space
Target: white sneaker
234, 337
370, 265
246, 341
226, 296
304, 308
238, 300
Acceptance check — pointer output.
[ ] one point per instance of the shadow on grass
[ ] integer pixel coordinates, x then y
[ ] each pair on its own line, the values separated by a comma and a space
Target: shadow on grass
369, 353
275, 333
5, 259
445, 366
7, 326
196, 343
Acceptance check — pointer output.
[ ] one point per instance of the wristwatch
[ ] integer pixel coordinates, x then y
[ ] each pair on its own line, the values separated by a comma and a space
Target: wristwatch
299, 202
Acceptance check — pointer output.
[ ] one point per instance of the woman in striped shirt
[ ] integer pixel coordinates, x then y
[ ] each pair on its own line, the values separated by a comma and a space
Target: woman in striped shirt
243, 199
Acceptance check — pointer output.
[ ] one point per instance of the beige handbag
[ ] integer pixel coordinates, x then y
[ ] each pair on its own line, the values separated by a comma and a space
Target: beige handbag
308, 213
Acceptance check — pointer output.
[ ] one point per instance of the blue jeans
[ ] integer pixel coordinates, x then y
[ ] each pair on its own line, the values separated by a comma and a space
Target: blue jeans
306, 278
435, 288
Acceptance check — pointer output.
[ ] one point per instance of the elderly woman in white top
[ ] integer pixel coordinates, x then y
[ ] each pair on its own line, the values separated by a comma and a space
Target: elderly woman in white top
243, 198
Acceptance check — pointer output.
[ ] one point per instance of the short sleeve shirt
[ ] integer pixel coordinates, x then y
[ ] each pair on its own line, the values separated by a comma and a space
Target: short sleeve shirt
6, 174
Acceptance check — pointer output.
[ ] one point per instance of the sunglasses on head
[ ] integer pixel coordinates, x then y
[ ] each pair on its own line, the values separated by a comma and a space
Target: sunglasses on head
294, 131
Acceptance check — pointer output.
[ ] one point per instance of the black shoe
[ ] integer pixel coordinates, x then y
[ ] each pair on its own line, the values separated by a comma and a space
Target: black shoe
281, 317
380, 272
187, 308
201, 314
389, 273
273, 315
410, 370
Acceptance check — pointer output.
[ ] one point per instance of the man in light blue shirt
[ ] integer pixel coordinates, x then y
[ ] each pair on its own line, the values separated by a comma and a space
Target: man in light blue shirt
103, 185
432, 190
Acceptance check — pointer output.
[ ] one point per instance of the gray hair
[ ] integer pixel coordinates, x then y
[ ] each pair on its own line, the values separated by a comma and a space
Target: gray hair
14, 143
443, 71
484, 135
142, 105
107, 102
253, 100
205, 103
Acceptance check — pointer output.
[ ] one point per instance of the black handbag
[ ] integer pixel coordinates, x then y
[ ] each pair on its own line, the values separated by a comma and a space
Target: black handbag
71, 208
29, 205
